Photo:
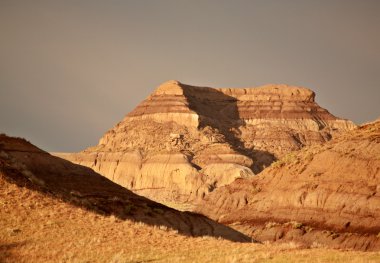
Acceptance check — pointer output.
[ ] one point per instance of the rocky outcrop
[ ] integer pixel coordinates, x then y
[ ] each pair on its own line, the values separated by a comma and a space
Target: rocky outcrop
327, 194
183, 141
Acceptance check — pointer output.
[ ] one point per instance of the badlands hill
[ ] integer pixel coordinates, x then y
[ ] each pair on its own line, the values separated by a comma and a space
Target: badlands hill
327, 194
27, 166
56, 211
183, 141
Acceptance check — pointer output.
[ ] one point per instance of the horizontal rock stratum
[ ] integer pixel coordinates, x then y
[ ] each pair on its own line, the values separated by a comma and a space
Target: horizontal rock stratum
189, 105
183, 141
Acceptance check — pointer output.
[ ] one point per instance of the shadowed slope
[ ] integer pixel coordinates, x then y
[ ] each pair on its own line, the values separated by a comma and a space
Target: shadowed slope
27, 166
220, 112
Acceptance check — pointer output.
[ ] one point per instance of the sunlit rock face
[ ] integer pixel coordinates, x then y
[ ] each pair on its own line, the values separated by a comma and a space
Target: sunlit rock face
330, 194
179, 142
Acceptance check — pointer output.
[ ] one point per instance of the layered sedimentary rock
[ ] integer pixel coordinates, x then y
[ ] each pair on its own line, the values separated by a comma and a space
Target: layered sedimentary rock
180, 142
327, 194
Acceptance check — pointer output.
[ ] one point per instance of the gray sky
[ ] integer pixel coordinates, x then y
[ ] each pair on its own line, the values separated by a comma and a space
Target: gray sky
70, 70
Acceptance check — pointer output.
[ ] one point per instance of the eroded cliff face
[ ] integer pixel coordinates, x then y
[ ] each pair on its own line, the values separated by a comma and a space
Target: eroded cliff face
184, 141
327, 194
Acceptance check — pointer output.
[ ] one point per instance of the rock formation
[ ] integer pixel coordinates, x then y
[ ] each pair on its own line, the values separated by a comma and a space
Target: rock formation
27, 166
184, 141
326, 194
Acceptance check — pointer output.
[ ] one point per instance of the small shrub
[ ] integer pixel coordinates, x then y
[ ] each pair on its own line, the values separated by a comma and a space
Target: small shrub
295, 224
290, 158
269, 225
287, 159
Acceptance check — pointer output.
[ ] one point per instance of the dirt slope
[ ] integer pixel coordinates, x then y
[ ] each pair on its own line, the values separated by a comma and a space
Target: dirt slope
328, 194
40, 222
27, 166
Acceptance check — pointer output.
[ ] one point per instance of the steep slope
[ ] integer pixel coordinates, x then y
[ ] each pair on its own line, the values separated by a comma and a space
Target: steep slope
328, 194
25, 165
184, 141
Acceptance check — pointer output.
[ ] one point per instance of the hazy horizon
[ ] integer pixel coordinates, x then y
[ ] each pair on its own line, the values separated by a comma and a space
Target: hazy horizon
70, 70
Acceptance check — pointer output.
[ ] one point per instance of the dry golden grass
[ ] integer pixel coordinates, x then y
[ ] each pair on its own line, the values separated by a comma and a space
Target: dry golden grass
38, 228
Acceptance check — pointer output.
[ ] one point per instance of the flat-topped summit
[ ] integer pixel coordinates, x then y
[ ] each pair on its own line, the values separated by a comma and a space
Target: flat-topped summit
174, 87
190, 105
275, 91
272, 91
183, 141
